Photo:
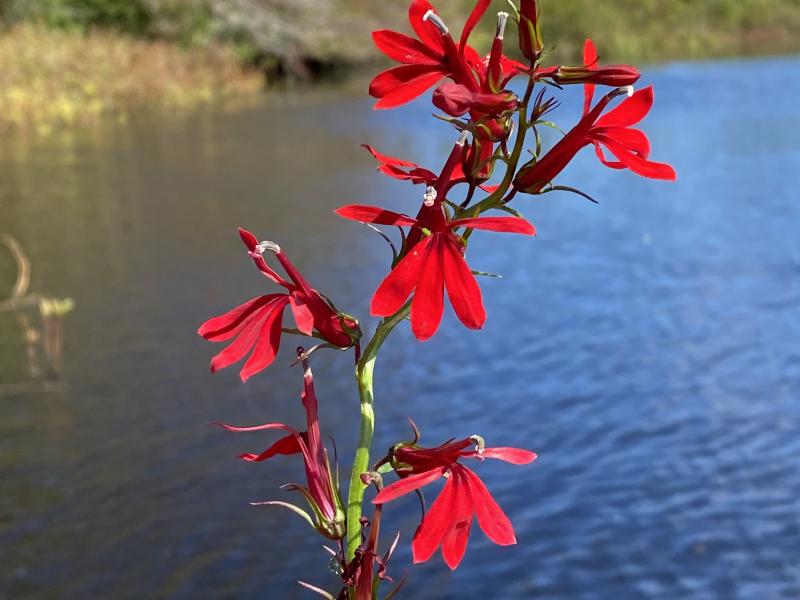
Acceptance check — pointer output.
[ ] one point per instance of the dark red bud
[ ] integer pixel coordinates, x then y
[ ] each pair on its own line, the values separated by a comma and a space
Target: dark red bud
494, 104
530, 36
453, 98
611, 75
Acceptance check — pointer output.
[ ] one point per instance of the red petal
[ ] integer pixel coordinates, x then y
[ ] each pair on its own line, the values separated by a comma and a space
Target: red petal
633, 139
639, 165
474, 17
462, 288
598, 150
428, 303
269, 340
263, 427
388, 160
407, 485
454, 543
425, 30
630, 111
374, 214
501, 224
225, 326
493, 521
400, 282
434, 525
286, 445
404, 49
250, 241
515, 456
247, 337
301, 310
402, 84
589, 60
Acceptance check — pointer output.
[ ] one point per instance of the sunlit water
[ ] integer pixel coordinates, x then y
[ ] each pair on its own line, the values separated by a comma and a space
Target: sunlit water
647, 348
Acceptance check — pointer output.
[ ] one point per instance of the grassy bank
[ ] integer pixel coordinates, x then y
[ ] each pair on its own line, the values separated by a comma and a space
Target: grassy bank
68, 61
53, 78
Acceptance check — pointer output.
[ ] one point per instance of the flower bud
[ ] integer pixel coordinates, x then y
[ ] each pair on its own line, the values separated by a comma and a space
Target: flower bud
455, 99
452, 98
495, 130
530, 36
477, 162
611, 75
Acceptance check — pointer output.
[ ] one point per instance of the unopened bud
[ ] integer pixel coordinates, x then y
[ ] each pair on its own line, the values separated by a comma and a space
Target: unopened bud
430, 196
437, 21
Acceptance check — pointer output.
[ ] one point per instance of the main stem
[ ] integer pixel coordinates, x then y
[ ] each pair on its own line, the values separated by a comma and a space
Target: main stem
364, 371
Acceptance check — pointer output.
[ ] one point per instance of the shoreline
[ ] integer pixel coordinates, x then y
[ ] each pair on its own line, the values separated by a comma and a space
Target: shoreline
52, 79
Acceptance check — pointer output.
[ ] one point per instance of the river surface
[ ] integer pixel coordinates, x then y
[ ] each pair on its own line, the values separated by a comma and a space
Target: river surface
647, 348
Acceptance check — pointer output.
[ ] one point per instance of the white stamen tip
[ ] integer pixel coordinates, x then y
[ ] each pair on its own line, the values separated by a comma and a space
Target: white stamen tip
502, 19
430, 196
271, 246
628, 90
437, 21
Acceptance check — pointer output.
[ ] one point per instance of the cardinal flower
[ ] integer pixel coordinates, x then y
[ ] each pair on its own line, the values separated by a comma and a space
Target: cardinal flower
464, 496
257, 324
435, 263
613, 130
427, 60
321, 491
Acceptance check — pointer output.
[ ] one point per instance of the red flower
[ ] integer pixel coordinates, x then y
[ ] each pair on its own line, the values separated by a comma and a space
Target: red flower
612, 130
427, 60
464, 496
257, 324
321, 492
435, 263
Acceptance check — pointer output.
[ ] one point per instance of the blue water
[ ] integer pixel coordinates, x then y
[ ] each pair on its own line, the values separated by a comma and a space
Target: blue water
647, 348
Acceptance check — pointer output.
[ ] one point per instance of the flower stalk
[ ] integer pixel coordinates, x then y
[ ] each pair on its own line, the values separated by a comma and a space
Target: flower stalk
364, 377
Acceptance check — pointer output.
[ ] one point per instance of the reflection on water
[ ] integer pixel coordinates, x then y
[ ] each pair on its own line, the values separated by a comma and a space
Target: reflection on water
647, 348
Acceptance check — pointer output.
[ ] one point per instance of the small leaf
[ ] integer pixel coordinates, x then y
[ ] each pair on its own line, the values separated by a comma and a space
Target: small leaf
511, 211
292, 507
487, 274
320, 591
397, 588
549, 124
566, 188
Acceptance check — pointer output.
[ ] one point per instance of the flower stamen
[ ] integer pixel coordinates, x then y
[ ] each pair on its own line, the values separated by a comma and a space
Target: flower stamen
430, 196
266, 245
437, 21
502, 20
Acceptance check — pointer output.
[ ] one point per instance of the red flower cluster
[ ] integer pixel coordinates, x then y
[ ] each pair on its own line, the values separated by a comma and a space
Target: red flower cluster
494, 124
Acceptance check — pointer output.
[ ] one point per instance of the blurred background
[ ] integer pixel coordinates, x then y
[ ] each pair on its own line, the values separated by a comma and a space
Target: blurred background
647, 348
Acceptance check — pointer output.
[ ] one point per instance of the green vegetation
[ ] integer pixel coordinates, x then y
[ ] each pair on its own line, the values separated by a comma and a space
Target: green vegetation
50, 78
181, 52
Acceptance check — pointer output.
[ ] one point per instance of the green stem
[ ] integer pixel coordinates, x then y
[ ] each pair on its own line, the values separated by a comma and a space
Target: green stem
364, 371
